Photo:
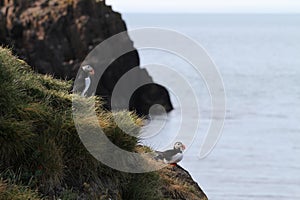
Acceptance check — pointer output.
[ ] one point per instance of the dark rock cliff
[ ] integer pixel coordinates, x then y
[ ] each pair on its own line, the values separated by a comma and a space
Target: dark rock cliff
54, 37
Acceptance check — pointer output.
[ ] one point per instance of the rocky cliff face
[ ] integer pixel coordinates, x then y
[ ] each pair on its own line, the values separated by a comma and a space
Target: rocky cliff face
54, 37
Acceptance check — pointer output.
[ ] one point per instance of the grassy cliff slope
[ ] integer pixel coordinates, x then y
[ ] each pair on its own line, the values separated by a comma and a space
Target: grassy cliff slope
42, 156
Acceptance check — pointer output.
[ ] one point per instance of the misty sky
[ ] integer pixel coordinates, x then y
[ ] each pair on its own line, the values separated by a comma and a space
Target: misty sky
214, 6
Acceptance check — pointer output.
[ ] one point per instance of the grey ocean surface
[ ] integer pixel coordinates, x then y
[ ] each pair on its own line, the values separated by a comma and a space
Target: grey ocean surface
258, 56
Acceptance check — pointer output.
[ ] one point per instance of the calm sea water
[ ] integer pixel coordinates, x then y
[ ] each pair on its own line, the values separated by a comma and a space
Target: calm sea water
258, 155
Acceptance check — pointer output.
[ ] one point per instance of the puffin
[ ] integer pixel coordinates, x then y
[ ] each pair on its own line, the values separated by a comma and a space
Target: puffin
88, 72
172, 156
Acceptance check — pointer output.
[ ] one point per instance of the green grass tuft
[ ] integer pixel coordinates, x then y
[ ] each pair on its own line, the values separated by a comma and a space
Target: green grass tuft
12, 191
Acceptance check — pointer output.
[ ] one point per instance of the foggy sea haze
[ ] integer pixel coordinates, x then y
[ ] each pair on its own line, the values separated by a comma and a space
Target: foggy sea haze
258, 56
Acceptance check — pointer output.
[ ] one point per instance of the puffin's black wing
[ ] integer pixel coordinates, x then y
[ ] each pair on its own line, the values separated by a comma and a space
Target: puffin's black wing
166, 154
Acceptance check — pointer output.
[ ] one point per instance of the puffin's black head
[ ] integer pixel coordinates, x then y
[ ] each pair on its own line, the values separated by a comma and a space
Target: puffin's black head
88, 69
179, 145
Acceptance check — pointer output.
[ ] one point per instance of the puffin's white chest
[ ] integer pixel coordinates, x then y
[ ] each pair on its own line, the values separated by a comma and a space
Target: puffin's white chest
174, 159
87, 83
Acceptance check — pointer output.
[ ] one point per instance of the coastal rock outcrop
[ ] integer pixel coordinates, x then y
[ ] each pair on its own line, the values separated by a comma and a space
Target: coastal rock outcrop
54, 37
180, 184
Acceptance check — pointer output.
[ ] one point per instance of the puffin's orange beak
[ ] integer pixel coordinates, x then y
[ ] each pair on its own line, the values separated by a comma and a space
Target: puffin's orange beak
183, 147
92, 72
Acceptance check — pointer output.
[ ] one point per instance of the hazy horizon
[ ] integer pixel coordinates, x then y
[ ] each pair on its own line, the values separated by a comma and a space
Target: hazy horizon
213, 6
209, 13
